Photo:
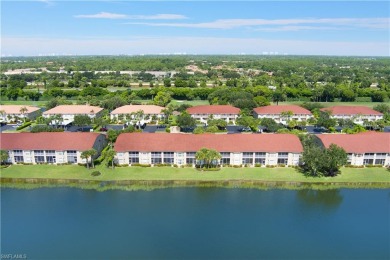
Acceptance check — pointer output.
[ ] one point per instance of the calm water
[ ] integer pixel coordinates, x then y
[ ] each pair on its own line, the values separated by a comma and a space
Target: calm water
67, 223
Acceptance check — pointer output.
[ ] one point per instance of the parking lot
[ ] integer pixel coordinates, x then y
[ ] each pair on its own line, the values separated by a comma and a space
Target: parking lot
74, 128
8, 128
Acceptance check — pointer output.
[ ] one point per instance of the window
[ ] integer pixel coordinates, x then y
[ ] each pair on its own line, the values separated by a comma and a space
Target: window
368, 161
169, 157
260, 158
50, 159
156, 157
72, 156
369, 155
380, 161
225, 158
133, 157
190, 157
381, 155
18, 158
283, 158
39, 159
50, 152
247, 158
18, 152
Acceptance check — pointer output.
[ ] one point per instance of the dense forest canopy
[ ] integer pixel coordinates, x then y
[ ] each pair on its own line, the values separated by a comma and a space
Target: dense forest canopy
262, 78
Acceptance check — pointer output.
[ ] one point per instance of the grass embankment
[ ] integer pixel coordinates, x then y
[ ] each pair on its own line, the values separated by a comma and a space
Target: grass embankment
329, 104
348, 175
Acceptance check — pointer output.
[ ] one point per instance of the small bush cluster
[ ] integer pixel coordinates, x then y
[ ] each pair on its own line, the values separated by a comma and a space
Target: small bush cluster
354, 166
141, 165
24, 125
209, 169
95, 173
45, 128
374, 165
271, 166
161, 164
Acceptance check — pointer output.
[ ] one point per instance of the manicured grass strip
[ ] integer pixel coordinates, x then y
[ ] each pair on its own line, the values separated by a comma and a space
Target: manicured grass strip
349, 175
329, 104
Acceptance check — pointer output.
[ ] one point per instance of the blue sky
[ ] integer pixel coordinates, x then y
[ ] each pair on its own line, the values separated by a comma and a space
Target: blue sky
195, 27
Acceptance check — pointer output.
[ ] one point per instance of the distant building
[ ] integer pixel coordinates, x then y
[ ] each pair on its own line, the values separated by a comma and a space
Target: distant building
203, 113
9, 113
277, 113
52, 148
235, 149
363, 149
356, 113
129, 112
68, 112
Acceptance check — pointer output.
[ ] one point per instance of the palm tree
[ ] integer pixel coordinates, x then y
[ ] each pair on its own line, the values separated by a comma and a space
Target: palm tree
92, 152
109, 156
207, 157
23, 110
57, 119
85, 155
286, 115
2, 113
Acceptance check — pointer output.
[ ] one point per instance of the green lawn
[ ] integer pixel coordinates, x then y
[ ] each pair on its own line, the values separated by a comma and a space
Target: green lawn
329, 104
24, 102
352, 175
190, 102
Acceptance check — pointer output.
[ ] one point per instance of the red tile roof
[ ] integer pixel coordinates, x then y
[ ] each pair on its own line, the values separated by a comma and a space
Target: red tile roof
213, 109
15, 109
221, 142
73, 109
369, 142
351, 110
148, 109
273, 110
48, 141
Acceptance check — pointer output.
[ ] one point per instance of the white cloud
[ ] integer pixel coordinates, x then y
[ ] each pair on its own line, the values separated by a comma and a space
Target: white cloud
106, 15
102, 15
295, 28
195, 45
47, 2
378, 23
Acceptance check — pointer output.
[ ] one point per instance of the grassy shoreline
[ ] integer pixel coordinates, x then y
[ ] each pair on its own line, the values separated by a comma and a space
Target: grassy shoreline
134, 178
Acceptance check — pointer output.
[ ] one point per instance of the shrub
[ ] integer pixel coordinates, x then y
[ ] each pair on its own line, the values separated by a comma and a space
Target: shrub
209, 169
95, 173
23, 126
257, 164
141, 165
162, 164
373, 165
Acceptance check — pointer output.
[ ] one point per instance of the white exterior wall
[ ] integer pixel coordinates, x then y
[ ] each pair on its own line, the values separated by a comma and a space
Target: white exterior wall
31, 115
279, 119
236, 158
70, 117
132, 117
357, 159
29, 157
204, 117
358, 119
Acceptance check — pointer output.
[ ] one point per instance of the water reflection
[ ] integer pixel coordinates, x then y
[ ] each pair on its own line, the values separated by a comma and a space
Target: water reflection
325, 199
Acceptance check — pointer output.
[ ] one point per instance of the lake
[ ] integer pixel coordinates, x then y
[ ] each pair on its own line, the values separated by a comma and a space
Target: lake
207, 223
